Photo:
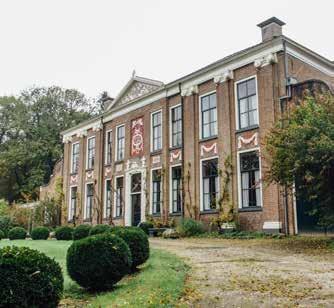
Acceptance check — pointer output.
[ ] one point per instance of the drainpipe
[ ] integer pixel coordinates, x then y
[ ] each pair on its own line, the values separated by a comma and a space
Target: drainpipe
182, 151
101, 169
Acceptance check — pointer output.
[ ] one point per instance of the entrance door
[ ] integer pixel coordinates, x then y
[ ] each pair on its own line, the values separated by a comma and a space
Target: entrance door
136, 198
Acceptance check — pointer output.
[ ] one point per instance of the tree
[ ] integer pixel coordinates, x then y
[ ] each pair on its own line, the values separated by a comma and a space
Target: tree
30, 141
301, 153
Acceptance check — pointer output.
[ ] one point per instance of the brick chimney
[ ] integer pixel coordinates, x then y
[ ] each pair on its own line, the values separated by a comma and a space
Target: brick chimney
271, 28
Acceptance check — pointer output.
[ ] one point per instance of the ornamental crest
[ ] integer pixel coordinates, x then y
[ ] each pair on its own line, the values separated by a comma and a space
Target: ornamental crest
137, 137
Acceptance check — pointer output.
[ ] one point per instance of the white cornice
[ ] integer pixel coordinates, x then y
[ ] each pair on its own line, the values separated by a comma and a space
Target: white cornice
268, 59
228, 75
190, 91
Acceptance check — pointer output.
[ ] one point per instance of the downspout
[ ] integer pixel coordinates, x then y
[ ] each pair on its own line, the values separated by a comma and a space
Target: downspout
182, 151
101, 169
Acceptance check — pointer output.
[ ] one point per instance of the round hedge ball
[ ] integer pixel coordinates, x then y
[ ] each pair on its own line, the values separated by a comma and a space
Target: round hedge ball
81, 232
28, 278
145, 226
98, 229
17, 233
138, 243
64, 233
40, 233
98, 262
2, 235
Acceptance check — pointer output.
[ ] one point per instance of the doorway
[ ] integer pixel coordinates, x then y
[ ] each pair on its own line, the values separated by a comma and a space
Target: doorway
136, 189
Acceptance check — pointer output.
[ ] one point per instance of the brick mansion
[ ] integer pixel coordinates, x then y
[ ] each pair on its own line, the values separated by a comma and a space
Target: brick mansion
158, 149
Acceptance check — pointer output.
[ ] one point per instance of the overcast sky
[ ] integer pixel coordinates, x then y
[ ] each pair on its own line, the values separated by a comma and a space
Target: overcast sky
95, 45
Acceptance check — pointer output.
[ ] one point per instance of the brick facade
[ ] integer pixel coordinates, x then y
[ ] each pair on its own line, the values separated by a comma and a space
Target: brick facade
229, 141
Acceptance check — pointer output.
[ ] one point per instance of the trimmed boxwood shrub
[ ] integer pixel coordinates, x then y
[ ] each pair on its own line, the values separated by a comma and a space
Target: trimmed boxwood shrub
64, 233
98, 229
81, 231
98, 262
28, 278
145, 226
190, 227
2, 235
138, 243
6, 223
17, 233
40, 233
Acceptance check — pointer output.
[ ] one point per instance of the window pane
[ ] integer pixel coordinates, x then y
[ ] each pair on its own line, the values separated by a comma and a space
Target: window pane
242, 90
243, 120
243, 105
252, 103
251, 89
253, 118
206, 131
205, 103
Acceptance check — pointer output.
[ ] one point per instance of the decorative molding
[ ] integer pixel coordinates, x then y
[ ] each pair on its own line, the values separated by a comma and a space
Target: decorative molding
253, 138
97, 127
209, 148
270, 58
119, 167
137, 137
156, 159
74, 179
90, 175
82, 133
176, 155
67, 139
107, 171
227, 75
190, 91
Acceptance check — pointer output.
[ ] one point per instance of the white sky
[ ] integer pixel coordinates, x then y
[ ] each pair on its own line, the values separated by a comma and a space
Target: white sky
94, 45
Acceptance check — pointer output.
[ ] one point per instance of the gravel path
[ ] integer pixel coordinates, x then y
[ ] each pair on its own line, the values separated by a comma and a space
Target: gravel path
246, 273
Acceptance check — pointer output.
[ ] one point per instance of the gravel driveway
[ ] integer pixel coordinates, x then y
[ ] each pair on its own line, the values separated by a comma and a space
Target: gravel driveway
253, 273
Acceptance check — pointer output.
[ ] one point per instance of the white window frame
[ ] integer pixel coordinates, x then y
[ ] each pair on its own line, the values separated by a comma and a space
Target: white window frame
257, 149
91, 137
106, 147
115, 196
200, 114
151, 130
201, 182
116, 141
151, 191
73, 144
70, 217
236, 106
85, 208
171, 187
171, 124
105, 198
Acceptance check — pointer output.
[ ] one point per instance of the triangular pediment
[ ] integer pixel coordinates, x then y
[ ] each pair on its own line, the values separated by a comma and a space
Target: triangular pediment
135, 88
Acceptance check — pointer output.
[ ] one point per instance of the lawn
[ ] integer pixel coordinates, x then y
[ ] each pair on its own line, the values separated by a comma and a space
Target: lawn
158, 283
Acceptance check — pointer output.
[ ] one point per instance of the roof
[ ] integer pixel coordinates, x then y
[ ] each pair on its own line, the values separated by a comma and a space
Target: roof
270, 21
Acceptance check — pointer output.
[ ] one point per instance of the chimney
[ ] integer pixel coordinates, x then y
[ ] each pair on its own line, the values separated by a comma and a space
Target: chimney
271, 28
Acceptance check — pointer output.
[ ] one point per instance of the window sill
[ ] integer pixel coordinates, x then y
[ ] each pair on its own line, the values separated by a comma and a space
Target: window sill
209, 212
157, 152
119, 161
251, 209
87, 220
208, 138
175, 148
246, 129
175, 214
118, 217
107, 165
74, 173
89, 169
156, 214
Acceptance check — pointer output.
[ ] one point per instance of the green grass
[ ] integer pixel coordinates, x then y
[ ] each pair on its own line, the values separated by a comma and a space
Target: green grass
158, 283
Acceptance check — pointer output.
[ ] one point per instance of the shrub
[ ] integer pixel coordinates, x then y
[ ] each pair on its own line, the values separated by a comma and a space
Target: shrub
40, 233
145, 226
64, 233
6, 223
17, 233
98, 262
2, 235
98, 229
190, 227
137, 241
29, 278
81, 231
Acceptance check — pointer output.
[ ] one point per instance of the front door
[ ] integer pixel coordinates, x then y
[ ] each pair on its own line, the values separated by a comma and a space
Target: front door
136, 198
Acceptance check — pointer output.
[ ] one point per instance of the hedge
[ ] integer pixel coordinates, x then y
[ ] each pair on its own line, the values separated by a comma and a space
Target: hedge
81, 232
64, 233
40, 233
17, 233
98, 229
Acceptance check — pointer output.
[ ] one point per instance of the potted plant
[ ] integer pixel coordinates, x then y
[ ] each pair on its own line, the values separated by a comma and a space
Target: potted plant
226, 220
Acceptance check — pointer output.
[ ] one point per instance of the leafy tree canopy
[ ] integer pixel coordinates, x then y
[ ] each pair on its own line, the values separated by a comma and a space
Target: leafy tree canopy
301, 153
30, 141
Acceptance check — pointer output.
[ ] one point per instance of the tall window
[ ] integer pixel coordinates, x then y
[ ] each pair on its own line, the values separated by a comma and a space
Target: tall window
176, 124
176, 189
89, 200
73, 203
120, 142
210, 180
209, 115
250, 179
247, 103
90, 152
108, 148
156, 131
107, 203
119, 196
75, 157
156, 191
